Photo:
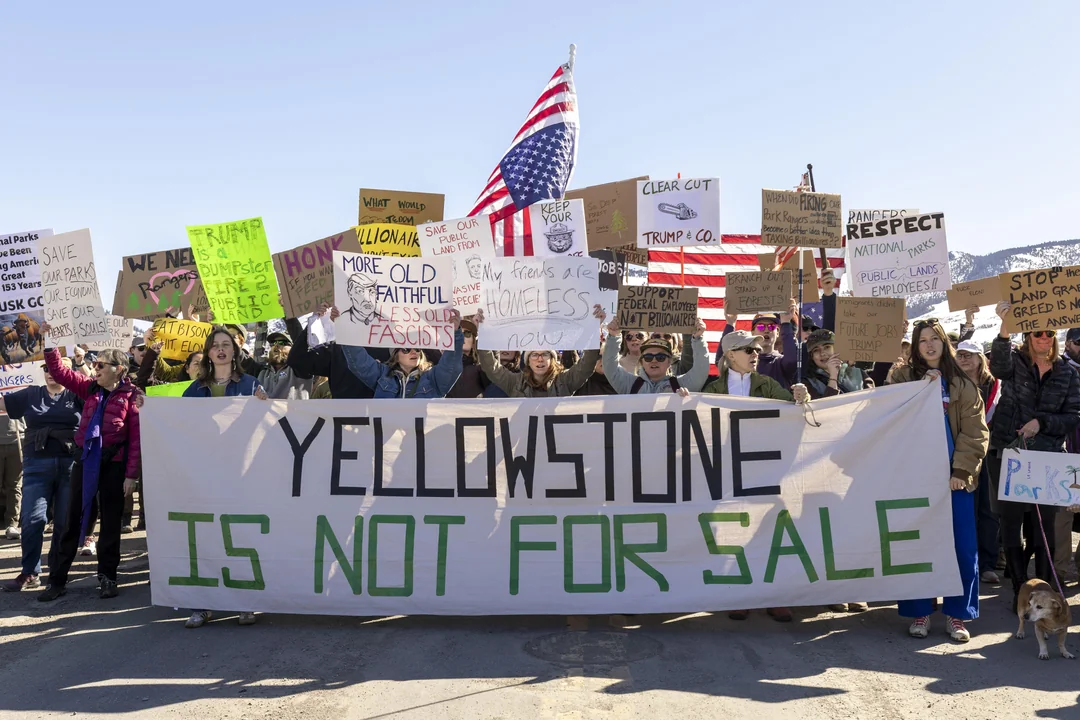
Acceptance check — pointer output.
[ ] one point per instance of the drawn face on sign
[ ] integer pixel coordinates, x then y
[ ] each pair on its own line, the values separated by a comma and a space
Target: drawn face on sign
362, 296
473, 264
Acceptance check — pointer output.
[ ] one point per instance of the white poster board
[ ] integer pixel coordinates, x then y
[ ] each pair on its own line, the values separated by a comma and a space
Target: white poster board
558, 228
69, 286
121, 330
1043, 478
393, 302
679, 212
22, 309
536, 303
21, 375
898, 257
468, 243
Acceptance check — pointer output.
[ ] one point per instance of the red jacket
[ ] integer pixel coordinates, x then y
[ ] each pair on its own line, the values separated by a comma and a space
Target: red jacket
120, 422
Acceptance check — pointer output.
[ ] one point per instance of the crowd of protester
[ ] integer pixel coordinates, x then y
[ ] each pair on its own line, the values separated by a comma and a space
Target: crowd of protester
70, 453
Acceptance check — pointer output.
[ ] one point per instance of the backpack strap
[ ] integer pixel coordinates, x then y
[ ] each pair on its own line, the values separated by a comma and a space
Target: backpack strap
636, 387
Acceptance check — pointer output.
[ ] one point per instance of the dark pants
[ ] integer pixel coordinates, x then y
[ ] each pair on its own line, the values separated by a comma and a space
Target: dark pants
46, 480
986, 522
1013, 532
111, 506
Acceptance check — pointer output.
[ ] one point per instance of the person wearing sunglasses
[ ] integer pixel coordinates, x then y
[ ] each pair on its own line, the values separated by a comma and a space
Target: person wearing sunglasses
1040, 408
630, 349
280, 381
107, 464
654, 372
51, 416
775, 331
966, 437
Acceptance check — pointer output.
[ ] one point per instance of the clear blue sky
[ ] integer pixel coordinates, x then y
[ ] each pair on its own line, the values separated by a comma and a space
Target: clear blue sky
136, 119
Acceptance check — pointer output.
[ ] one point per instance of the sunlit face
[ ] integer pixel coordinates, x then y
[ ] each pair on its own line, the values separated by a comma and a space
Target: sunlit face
905, 350
633, 341
193, 365
107, 374
821, 355
278, 354
408, 359
968, 362
745, 359
768, 330
656, 363
931, 347
1042, 342
222, 350
540, 362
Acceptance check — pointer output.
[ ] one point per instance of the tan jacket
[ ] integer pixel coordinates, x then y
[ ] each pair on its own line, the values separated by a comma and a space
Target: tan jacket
967, 420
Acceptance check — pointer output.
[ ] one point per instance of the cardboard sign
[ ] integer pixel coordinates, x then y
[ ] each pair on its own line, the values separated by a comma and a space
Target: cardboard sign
801, 219
612, 268
1043, 478
1047, 299
306, 274
69, 287
976, 292
654, 308
810, 293
153, 285
175, 389
390, 240
180, 338
861, 216
674, 213
536, 303
121, 331
19, 376
869, 329
610, 212
558, 228
397, 207
899, 257
634, 256
468, 242
22, 309
394, 302
235, 266
747, 293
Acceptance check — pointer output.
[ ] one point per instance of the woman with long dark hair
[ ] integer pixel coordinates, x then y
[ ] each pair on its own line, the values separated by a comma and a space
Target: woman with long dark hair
933, 358
220, 373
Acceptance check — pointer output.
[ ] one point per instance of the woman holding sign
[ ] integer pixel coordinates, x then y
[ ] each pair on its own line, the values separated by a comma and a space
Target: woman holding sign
1039, 408
933, 358
653, 373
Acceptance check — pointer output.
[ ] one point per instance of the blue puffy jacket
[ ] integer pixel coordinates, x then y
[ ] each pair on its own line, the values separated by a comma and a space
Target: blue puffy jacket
246, 386
387, 383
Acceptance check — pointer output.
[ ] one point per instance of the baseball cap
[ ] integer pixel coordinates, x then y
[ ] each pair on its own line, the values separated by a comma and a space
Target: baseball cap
276, 336
657, 344
970, 346
1073, 335
737, 339
808, 324
819, 337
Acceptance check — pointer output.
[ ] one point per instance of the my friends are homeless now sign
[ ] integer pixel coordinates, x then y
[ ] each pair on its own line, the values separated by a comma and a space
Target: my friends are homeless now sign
553, 506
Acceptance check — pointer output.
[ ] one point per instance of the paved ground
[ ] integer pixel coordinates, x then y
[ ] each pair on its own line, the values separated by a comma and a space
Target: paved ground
86, 657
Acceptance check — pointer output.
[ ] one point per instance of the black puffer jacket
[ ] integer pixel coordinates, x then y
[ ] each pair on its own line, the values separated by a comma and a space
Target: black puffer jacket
1054, 400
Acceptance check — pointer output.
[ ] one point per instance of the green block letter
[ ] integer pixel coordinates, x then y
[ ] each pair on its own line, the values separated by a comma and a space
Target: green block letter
785, 523
193, 554
625, 551
883, 508
706, 520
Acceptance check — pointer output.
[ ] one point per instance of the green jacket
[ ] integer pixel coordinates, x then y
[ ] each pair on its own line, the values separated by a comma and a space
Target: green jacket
761, 386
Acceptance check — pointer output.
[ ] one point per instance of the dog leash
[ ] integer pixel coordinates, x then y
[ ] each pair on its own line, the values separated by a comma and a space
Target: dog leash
1042, 531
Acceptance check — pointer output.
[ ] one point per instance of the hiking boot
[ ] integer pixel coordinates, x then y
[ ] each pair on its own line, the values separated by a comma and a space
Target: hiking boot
22, 582
780, 614
198, 619
957, 631
13, 533
246, 618
51, 593
857, 607
920, 627
108, 588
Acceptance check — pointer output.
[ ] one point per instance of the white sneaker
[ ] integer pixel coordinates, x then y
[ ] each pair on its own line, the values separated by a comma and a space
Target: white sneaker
13, 533
198, 619
246, 618
920, 627
956, 629
89, 546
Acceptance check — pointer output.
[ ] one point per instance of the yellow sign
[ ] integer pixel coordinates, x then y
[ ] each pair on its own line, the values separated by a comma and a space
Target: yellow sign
384, 239
180, 338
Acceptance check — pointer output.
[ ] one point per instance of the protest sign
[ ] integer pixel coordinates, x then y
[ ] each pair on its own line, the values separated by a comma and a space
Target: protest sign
394, 302
175, 389
976, 292
869, 329
558, 228
306, 274
612, 268
746, 293
801, 219
673, 213
610, 212
235, 266
19, 376
180, 338
153, 285
1046, 299
69, 287
648, 307
861, 216
536, 303
538, 515
810, 294
397, 207
1043, 478
468, 243
121, 330
899, 257
634, 256
392, 240
22, 308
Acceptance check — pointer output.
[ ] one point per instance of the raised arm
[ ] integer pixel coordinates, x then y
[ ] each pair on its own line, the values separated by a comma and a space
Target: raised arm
73, 381
306, 362
695, 378
578, 375
619, 379
496, 373
363, 366
448, 369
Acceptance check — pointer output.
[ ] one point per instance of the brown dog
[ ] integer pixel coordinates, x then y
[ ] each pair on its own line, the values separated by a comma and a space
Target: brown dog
1039, 603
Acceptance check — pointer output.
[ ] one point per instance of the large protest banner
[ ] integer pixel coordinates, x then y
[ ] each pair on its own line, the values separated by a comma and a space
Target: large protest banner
649, 307
753, 292
536, 303
22, 308
394, 302
468, 242
673, 213
69, 287
180, 338
869, 329
306, 274
974, 293
620, 504
235, 266
801, 219
810, 292
1043, 478
19, 376
899, 257
558, 227
1046, 299
610, 212
398, 207
153, 285
392, 240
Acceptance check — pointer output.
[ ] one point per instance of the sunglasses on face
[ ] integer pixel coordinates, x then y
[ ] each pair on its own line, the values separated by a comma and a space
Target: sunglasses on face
45, 368
1043, 333
103, 365
140, 348
655, 357
927, 323
751, 350
635, 336
409, 350
765, 326
279, 343
664, 336
467, 333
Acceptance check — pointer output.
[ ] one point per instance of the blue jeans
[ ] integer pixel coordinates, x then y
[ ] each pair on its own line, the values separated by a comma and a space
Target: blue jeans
46, 480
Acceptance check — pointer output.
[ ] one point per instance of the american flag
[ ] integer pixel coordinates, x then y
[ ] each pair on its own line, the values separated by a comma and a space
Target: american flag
706, 268
538, 166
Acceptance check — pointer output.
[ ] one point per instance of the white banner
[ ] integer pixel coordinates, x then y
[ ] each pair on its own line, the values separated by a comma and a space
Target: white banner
1043, 478
674, 213
468, 243
22, 309
899, 256
69, 286
615, 504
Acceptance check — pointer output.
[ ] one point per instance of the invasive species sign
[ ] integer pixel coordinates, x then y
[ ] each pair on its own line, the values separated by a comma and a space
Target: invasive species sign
645, 307
869, 329
236, 270
673, 213
468, 243
153, 285
306, 274
1046, 299
801, 219
899, 256
754, 292
22, 308
398, 207
69, 287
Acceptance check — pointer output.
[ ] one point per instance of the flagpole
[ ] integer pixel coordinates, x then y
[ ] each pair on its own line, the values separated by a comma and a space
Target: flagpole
821, 251
573, 53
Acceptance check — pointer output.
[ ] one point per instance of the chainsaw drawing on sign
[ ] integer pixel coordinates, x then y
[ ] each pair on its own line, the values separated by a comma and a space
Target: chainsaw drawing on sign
681, 211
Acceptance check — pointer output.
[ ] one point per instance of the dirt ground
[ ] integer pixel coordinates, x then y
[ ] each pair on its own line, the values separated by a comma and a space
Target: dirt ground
86, 657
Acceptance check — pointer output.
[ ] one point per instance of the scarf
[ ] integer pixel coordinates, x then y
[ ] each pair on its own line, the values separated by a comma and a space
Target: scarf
91, 460
992, 397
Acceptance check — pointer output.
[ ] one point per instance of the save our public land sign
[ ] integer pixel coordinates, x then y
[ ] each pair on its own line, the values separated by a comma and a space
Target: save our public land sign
355, 507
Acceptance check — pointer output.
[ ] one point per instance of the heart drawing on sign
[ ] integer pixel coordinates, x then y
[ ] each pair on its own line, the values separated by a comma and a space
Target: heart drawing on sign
162, 279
